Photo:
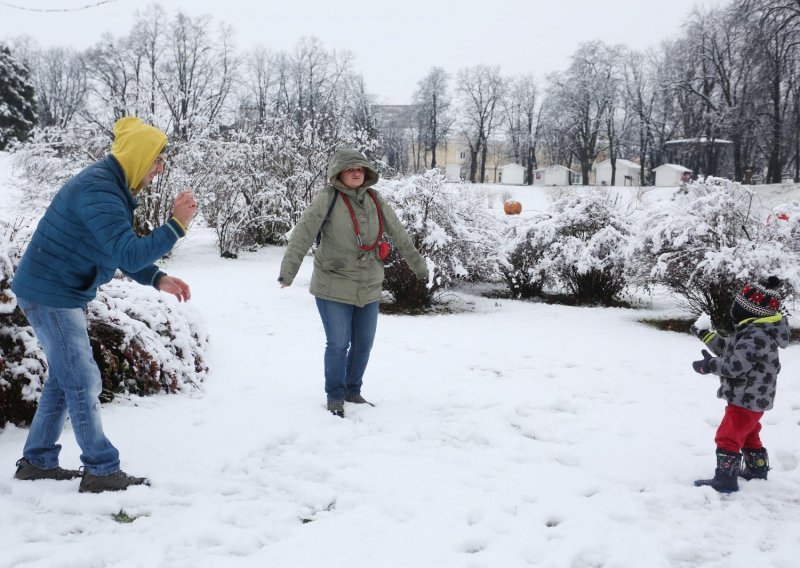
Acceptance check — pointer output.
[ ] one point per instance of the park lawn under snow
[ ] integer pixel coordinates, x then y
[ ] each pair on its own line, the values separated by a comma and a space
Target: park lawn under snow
511, 434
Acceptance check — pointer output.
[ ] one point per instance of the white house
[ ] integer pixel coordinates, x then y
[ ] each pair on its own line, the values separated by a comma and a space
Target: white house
452, 172
513, 174
627, 173
556, 175
672, 174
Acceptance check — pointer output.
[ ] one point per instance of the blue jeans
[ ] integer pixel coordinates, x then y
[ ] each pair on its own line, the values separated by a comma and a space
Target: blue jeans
72, 387
350, 331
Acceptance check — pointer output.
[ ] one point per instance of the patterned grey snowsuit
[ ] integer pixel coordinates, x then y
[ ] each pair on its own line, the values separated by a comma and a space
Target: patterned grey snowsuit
747, 362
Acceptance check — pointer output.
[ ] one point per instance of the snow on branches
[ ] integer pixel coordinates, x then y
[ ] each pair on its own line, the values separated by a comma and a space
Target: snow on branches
706, 242
143, 341
579, 246
449, 227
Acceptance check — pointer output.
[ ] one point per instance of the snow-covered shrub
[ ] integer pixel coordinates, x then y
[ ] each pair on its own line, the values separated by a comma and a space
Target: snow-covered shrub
708, 242
52, 156
144, 341
22, 364
583, 245
521, 257
238, 195
783, 225
457, 235
252, 186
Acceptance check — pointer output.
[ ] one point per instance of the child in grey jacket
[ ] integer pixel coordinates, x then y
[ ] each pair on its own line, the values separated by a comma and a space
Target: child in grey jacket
747, 363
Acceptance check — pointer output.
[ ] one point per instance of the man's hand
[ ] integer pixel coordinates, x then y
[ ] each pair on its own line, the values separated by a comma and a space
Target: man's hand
185, 207
702, 366
175, 286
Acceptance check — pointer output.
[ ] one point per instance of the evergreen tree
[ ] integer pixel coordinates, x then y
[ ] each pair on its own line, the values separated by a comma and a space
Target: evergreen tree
17, 103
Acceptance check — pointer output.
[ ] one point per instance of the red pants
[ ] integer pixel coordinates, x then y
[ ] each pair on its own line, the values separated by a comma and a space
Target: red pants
739, 429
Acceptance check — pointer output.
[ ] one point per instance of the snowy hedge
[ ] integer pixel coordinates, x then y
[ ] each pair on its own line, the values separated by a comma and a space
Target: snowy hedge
706, 243
580, 247
22, 364
522, 257
144, 342
450, 228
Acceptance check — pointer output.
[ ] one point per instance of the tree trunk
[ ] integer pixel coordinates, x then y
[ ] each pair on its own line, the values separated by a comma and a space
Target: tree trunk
484, 151
473, 163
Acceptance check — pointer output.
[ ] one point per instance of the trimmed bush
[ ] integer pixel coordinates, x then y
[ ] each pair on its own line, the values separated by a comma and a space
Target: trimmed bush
706, 244
144, 343
456, 234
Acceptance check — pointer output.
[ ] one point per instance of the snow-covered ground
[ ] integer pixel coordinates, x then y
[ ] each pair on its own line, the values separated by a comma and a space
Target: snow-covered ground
515, 434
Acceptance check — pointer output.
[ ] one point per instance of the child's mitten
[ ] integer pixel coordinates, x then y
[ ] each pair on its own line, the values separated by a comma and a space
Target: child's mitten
702, 366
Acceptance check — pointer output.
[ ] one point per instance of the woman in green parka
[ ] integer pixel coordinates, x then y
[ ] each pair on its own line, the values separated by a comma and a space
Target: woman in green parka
347, 281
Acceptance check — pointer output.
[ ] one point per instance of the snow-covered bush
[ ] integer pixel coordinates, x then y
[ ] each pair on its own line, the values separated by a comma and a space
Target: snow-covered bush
52, 156
143, 341
706, 243
583, 245
22, 363
521, 257
783, 225
238, 195
457, 235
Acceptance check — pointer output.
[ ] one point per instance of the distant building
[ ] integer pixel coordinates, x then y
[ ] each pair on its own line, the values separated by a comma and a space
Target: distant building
399, 123
671, 175
703, 156
512, 174
556, 175
627, 173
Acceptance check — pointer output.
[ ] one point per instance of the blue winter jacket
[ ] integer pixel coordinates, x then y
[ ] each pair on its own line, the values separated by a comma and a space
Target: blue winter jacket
86, 234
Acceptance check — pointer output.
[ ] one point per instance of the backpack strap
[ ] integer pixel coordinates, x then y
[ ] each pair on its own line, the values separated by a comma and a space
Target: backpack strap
327, 216
357, 231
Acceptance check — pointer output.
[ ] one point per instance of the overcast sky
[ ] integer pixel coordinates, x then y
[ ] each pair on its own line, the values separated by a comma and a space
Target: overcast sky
395, 42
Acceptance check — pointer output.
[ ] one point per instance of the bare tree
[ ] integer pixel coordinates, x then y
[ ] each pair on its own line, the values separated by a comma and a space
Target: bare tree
480, 89
581, 99
523, 121
60, 84
195, 74
260, 84
639, 92
433, 104
776, 40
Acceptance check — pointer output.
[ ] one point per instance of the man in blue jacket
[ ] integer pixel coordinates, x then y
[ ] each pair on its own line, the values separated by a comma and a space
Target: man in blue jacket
85, 235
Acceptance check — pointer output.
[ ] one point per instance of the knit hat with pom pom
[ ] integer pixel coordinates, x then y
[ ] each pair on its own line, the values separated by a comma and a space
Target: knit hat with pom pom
757, 300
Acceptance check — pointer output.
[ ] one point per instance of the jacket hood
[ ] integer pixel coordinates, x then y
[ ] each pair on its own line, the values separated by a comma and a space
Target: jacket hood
350, 158
775, 326
136, 146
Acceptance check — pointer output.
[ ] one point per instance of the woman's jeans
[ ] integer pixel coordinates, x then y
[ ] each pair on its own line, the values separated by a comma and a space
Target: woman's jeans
72, 387
350, 331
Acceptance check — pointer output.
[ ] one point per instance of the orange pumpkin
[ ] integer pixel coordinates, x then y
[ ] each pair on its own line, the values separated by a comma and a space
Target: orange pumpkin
512, 207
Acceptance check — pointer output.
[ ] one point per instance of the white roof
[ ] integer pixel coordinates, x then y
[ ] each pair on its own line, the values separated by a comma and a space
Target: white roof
673, 167
620, 162
559, 166
512, 164
700, 140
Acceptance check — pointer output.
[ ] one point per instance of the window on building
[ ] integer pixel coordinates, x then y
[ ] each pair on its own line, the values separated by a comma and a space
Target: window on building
462, 155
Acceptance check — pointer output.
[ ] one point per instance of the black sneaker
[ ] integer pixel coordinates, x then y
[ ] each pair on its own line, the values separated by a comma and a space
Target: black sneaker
336, 407
117, 481
357, 399
29, 472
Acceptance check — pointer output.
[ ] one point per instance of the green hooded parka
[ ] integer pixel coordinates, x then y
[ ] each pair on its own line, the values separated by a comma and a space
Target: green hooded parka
342, 272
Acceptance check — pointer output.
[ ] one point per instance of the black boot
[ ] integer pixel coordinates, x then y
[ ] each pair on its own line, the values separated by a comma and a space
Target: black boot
336, 407
756, 464
726, 475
